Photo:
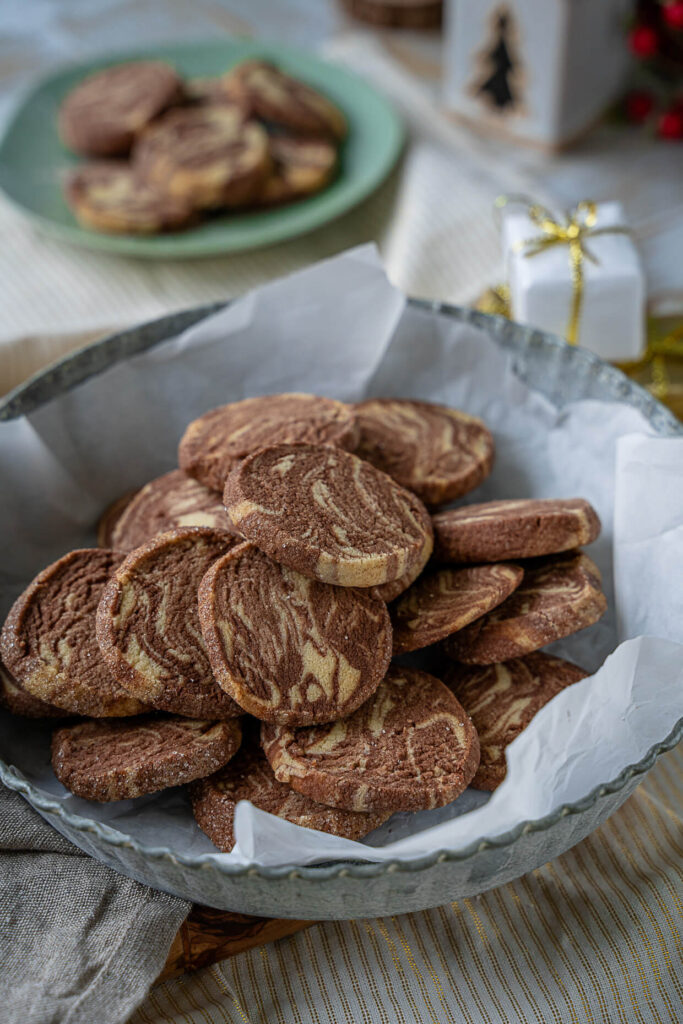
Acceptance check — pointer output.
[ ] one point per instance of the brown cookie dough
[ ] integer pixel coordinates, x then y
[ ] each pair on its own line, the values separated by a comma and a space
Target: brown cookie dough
248, 776
213, 445
390, 591
436, 452
287, 648
328, 514
522, 528
205, 156
502, 699
301, 166
19, 702
148, 624
106, 112
446, 600
122, 760
48, 640
559, 595
110, 517
273, 96
168, 502
408, 748
109, 197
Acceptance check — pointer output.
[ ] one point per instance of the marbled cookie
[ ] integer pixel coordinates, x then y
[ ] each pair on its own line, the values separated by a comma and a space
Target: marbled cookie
216, 442
106, 112
443, 601
328, 514
19, 702
409, 747
148, 624
301, 166
559, 595
109, 197
436, 452
48, 641
110, 517
122, 760
287, 648
248, 776
522, 528
502, 699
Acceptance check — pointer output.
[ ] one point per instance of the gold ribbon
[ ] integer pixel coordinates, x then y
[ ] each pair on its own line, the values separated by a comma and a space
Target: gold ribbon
579, 224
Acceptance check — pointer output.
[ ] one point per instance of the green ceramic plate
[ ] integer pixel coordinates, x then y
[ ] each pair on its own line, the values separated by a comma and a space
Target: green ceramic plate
33, 162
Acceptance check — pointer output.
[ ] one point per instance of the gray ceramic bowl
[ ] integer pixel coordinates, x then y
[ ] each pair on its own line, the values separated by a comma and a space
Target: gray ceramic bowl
348, 890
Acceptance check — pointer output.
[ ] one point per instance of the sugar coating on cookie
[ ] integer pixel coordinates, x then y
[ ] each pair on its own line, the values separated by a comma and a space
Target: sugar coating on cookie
172, 501
502, 699
520, 528
248, 776
148, 624
214, 444
110, 197
206, 156
558, 596
410, 747
443, 601
20, 702
103, 115
437, 452
48, 641
287, 648
301, 166
328, 514
110, 517
122, 760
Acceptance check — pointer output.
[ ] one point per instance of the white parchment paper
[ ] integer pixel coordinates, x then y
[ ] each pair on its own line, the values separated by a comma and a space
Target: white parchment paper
339, 328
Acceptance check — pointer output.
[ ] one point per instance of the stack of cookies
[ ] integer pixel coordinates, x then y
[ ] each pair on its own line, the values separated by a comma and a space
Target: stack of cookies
243, 623
166, 152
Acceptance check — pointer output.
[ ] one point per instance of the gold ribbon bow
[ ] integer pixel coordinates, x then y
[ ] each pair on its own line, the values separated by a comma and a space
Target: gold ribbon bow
580, 224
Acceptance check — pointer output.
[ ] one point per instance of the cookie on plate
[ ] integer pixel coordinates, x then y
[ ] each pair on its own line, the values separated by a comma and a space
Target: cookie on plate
328, 514
443, 601
148, 624
436, 452
104, 114
411, 746
301, 167
287, 648
19, 702
558, 596
214, 444
205, 156
122, 760
48, 640
501, 701
248, 776
109, 197
523, 528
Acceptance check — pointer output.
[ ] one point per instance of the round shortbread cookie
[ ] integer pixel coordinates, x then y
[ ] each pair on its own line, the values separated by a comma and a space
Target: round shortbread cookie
248, 776
390, 591
214, 444
328, 514
301, 166
19, 702
436, 452
122, 760
106, 112
502, 699
48, 641
109, 197
148, 624
522, 528
446, 600
410, 747
558, 596
287, 648
110, 517
205, 156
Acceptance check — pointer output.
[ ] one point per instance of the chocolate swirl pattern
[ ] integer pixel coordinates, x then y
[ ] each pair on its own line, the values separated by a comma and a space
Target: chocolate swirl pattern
502, 699
122, 760
558, 596
110, 197
442, 602
300, 166
287, 648
148, 624
48, 640
214, 444
328, 514
524, 528
19, 702
110, 517
248, 776
411, 746
436, 452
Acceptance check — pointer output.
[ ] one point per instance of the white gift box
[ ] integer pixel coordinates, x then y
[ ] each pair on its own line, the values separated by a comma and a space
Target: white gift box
612, 308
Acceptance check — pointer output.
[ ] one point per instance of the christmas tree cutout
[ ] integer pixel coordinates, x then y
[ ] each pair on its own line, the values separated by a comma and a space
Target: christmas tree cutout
496, 83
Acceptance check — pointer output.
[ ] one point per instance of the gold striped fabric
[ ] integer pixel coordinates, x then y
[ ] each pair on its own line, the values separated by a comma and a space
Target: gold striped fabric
593, 937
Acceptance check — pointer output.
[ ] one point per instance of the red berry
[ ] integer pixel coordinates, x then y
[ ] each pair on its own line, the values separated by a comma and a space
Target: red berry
670, 125
644, 41
639, 106
673, 15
